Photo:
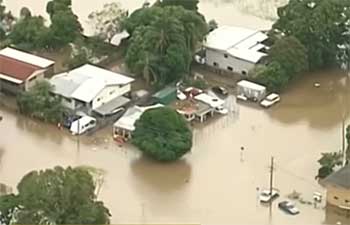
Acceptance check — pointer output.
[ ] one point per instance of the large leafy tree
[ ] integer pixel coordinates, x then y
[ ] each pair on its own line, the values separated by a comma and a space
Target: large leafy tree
65, 26
162, 134
108, 21
290, 54
55, 196
38, 102
162, 43
29, 33
318, 24
273, 76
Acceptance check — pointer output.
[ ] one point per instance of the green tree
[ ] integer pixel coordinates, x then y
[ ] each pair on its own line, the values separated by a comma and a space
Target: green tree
212, 25
163, 41
65, 26
56, 196
162, 134
290, 54
29, 33
25, 12
318, 24
39, 103
273, 76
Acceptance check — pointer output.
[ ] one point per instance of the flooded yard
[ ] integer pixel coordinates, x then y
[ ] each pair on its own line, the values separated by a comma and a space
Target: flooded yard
211, 185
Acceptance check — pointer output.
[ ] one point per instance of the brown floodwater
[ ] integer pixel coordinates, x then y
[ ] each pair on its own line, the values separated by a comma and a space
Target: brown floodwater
211, 185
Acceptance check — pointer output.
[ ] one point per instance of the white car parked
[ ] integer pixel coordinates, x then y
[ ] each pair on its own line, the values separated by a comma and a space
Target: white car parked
180, 95
266, 196
270, 100
221, 110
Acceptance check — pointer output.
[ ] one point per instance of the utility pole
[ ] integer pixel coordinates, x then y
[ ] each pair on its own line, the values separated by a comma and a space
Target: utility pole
271, 174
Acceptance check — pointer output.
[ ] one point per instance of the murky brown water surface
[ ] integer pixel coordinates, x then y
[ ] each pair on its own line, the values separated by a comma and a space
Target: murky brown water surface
211, 185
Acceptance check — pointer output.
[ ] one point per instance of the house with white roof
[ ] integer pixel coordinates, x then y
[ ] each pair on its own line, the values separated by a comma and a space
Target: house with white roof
92, 89
126, 124
234, 49
19, 70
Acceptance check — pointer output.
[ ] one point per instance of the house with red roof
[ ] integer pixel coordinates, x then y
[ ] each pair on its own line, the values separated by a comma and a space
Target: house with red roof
19, 70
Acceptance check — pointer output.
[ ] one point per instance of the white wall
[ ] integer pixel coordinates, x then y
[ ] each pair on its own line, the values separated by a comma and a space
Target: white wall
32, 80
218, 57
109, 93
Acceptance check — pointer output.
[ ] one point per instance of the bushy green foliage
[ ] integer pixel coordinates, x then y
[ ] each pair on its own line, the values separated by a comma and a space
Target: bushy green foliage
162, 134
286, 59
291, 56
273, 76
30, 33
39, 103
55, 196
319, 25
163, 41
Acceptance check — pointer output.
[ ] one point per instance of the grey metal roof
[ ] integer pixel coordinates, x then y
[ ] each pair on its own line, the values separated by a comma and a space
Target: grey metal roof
112, 105
340, 178
66, 85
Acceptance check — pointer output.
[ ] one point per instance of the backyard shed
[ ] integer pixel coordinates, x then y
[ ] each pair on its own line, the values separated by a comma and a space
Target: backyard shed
251, 90
166, 95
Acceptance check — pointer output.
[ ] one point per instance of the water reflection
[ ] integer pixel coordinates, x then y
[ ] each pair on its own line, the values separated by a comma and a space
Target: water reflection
39, 129
175, 175
265, 9
319, 107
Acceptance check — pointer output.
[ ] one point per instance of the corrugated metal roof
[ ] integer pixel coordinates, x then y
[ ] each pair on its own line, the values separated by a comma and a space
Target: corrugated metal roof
85, 82
26, 57
226, 37
127, 121
238, 42
251, 85
340, 178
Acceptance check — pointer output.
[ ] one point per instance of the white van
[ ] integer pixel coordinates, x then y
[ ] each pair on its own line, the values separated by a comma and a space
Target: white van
82, 125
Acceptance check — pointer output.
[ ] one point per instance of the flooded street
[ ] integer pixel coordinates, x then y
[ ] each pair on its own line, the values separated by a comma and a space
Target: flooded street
211, 185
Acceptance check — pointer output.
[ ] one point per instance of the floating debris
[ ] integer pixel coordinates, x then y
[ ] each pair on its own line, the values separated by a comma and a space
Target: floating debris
294, 195
317, 85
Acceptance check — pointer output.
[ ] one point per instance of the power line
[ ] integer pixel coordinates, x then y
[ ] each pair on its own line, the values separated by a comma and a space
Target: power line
297, 176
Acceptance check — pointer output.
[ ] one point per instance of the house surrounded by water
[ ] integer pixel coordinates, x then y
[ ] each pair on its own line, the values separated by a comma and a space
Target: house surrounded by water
19, 70
234, 49
92, 89
338, 188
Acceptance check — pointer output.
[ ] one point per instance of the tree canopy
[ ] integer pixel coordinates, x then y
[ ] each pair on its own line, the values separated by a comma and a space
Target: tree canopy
55, 196
290, 54
65, 26
30, 32
163, 41
162, 134
319, 25
108, 21
39, 103
273, 76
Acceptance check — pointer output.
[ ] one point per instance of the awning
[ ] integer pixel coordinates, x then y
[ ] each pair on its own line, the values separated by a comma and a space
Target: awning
111, 106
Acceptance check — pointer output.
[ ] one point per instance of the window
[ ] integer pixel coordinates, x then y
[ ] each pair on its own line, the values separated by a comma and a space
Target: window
215, 64
111, 92
336, 198
230, 68
99, 99
226, 56
347, 201
244, 72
